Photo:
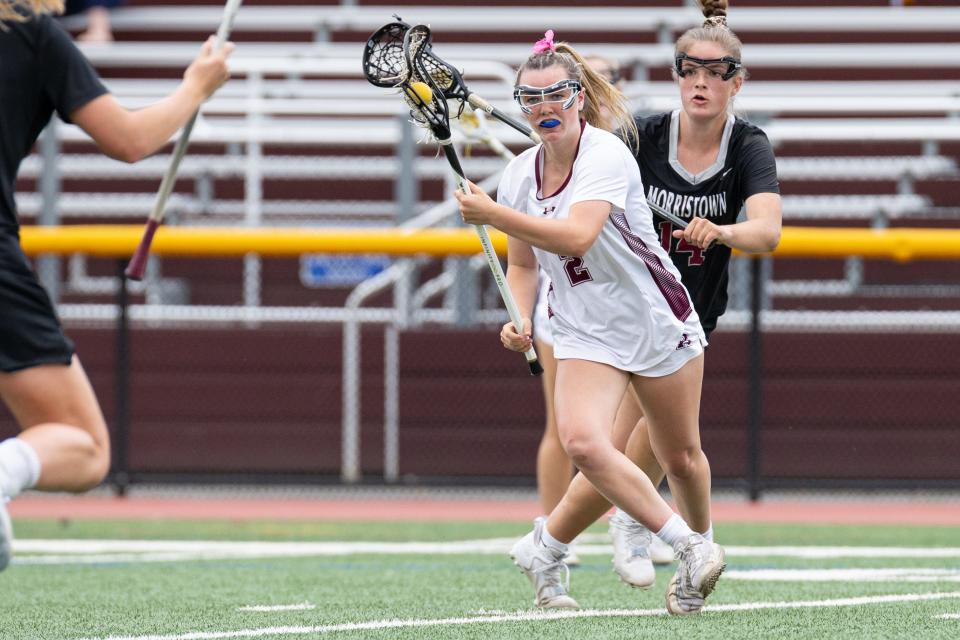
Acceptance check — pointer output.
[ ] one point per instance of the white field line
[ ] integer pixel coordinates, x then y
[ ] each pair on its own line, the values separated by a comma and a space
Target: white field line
948, 616
269, 608
533, 615
88, 551
812, 553
752, 575
844, 575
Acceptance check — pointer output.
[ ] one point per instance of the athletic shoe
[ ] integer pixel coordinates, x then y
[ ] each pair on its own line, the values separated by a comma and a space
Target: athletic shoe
573, 558
6, 535
543, 566
631, 551
701, 563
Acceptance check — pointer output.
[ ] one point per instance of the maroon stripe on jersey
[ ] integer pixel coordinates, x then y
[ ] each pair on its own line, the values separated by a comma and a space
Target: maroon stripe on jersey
671, 289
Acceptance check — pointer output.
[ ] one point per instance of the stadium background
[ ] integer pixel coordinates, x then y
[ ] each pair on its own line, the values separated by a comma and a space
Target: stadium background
858, 377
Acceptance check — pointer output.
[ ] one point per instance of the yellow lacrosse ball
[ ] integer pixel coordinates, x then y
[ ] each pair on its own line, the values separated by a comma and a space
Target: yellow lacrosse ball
422, 91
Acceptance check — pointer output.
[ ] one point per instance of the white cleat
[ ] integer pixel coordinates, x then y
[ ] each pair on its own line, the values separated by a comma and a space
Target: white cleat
701, 563
631, 551
543, 566
573, 558
6, 535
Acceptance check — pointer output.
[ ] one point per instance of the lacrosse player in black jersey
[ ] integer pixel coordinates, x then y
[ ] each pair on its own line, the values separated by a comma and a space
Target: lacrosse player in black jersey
702, 164
63, 443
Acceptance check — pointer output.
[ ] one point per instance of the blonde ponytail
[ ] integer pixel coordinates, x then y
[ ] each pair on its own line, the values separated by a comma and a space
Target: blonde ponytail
20, 10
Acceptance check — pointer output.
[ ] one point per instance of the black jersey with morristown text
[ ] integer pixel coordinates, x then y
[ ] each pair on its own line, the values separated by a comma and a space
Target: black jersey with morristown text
41, 71
745, 166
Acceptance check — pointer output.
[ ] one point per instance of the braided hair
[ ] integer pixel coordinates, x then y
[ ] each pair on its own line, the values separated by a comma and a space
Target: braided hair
715, 12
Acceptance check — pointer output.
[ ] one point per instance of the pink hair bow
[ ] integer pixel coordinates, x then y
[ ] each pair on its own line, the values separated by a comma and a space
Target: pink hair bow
545, 44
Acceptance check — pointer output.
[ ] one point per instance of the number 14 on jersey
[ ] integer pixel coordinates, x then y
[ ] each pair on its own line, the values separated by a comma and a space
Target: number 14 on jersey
666, 238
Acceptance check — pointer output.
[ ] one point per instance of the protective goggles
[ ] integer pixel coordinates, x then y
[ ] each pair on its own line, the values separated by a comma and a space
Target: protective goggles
564, 92
724, 68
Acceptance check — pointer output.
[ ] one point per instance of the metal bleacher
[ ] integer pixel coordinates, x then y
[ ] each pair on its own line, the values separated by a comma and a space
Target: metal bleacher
298, 137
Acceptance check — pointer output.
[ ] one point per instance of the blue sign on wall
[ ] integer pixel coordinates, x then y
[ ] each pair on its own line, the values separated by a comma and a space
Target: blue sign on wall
322, 270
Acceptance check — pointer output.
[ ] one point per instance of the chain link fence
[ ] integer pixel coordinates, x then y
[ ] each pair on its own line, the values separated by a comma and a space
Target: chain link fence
831, 391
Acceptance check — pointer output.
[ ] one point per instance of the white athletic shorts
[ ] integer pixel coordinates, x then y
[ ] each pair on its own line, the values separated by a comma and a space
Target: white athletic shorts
690, 346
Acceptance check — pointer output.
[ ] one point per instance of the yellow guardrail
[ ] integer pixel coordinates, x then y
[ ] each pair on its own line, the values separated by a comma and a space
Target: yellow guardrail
119, 241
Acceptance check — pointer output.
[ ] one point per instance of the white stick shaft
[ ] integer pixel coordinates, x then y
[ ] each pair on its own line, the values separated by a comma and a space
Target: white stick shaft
226, 23
170, 177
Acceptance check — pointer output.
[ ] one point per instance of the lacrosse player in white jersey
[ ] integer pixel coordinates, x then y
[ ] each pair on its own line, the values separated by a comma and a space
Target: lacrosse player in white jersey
620, 316
699, 154
554, 470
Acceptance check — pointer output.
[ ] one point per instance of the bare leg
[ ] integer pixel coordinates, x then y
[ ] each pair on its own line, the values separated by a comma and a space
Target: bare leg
672, 408
582, 505
60, 418
638, 445
554, 469
588, 395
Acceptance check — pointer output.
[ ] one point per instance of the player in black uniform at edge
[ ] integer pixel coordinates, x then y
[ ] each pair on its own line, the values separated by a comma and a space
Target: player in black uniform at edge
63, 443
703, 164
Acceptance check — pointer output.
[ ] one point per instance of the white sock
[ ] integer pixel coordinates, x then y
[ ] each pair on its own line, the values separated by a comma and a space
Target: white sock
675, 532
550, 541
708, 534
19, 467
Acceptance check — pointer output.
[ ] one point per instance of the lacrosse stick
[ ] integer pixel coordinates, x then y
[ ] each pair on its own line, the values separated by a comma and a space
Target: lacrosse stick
429, 109
383, 59
138, 262
666, 215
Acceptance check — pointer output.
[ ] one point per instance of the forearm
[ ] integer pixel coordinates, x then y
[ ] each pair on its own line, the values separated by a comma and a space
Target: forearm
151, 128
759, 235
562, 237
522, 281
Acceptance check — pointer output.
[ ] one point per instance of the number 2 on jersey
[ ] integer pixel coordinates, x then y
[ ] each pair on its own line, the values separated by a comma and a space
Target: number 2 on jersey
576, 272
666, 237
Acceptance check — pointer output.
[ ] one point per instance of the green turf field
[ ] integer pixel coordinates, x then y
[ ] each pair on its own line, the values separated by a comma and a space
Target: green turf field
81, 580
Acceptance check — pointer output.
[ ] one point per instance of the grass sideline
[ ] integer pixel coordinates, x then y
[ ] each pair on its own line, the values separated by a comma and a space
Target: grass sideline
48, 595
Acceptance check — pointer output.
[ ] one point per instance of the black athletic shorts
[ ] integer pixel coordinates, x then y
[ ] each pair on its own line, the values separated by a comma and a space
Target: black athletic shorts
30, 333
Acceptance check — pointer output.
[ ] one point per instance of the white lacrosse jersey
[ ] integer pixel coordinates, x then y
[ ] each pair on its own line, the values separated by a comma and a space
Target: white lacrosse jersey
622, 302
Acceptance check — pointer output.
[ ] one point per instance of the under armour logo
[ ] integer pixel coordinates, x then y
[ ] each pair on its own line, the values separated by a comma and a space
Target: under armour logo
548, 210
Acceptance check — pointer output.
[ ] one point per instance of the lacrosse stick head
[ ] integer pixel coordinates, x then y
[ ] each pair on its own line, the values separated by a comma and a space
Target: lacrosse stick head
384, 63
444, 74
428, 109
